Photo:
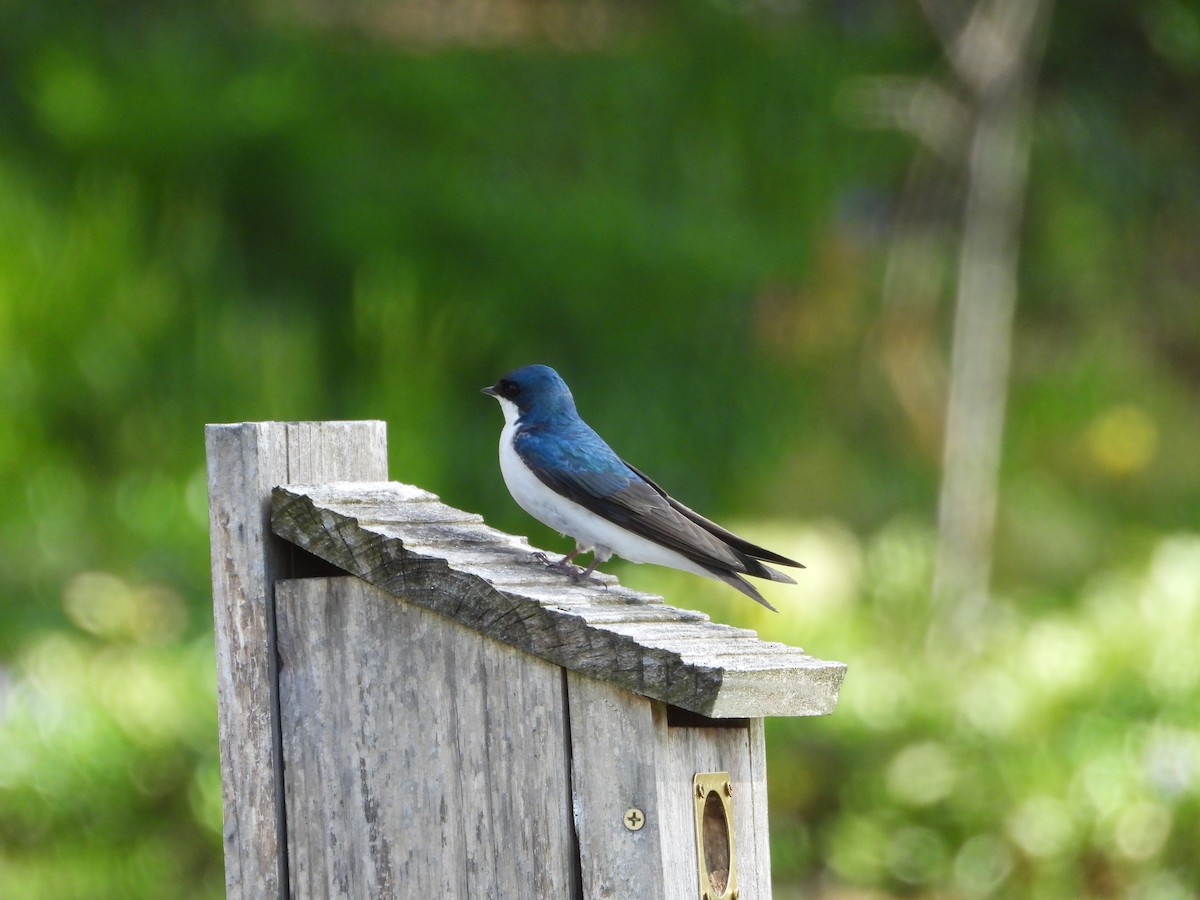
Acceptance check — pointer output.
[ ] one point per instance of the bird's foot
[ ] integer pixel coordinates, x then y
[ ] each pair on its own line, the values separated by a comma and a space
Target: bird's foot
564, 565
584, 576
568, 568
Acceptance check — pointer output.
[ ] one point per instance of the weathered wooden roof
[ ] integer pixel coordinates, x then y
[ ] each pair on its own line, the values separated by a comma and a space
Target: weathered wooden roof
405, 541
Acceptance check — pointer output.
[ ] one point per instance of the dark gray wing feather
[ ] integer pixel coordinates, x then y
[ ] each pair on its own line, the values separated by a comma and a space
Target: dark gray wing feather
636, 503
737, 543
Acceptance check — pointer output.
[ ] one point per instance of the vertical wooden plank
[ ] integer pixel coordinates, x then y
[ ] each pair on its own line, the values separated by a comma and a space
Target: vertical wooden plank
244, 462
738, 751
241, 459
336, 451
617, 743
423, 759
757, 854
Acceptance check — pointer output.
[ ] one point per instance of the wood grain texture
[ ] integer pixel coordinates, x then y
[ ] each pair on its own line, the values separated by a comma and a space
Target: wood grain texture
756, 856
616, 750
407, 542
244, 462
625, 754
738, 751
423, 759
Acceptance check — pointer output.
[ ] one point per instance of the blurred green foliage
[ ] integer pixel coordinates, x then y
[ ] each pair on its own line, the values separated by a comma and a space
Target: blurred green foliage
213, 213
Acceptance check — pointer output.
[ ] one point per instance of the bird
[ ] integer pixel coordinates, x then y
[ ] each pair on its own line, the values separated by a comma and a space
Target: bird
561, 472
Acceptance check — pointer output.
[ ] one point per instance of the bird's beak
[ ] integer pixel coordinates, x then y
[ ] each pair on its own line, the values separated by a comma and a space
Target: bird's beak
490, 390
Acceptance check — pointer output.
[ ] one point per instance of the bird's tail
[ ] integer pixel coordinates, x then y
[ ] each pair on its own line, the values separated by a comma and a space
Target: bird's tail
736, 581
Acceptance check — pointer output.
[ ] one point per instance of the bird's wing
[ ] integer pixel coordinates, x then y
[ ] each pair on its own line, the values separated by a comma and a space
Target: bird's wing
599, 481
634, 505
738, 543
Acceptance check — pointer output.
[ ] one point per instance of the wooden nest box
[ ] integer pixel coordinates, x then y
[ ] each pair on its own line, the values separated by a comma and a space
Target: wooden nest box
411, 705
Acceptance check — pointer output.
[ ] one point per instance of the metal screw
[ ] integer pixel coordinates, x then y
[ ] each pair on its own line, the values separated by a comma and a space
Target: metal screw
634, 819
734, 895
699, 790
729, 789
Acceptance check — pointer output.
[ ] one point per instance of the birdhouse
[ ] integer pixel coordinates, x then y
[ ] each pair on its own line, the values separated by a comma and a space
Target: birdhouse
412, 705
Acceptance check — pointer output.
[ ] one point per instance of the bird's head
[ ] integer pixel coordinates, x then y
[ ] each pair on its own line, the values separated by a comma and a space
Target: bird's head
533, 394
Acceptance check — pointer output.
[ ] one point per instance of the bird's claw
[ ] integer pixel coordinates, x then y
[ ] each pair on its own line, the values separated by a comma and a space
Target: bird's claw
561, 565
568, 568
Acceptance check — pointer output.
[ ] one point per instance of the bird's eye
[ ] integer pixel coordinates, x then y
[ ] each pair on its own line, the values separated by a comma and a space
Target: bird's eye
508, 389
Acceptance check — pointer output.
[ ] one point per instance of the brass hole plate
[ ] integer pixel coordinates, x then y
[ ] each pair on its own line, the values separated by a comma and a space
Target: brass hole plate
716, 859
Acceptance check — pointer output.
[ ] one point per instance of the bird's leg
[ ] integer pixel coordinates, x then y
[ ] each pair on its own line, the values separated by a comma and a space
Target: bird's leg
564, 564
599, 555
586, 574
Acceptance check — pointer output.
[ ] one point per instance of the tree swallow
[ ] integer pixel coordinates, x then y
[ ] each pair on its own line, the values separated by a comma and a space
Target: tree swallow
564, 475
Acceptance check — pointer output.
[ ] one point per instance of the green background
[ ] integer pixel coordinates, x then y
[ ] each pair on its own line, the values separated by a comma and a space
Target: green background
217, 212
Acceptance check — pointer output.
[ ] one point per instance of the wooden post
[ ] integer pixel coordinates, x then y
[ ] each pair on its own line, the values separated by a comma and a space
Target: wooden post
244, 463
424, 709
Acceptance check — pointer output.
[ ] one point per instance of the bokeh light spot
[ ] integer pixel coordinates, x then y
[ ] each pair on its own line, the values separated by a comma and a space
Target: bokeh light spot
1058, 654
917, 855
1042, 827
992, 702
1142, 830
922, 774
1122, 440
104, 605
982, 864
